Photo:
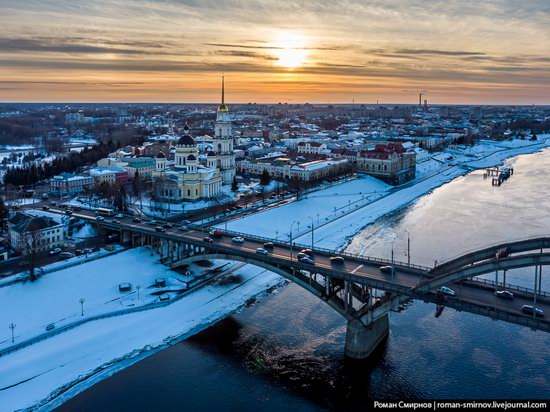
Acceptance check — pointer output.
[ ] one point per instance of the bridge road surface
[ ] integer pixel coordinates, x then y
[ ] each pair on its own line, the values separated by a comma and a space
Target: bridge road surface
363, 270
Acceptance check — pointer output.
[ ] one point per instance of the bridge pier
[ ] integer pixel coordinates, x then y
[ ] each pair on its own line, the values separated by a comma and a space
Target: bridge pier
362, 340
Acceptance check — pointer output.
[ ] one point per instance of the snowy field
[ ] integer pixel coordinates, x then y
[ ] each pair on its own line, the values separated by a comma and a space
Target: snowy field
84, 355
322, 206
54, 298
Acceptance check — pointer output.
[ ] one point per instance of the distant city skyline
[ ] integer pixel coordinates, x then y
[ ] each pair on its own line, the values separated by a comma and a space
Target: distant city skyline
458, 52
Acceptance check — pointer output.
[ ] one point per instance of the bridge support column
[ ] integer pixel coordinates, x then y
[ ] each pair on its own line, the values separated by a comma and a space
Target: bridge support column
362, 340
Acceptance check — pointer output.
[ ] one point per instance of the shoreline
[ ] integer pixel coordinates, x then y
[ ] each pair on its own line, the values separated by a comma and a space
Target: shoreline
439, 178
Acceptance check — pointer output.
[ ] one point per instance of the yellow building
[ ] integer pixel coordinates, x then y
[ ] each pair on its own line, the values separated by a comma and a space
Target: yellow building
187, 179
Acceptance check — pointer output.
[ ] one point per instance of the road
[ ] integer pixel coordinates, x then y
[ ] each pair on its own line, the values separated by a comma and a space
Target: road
354, 268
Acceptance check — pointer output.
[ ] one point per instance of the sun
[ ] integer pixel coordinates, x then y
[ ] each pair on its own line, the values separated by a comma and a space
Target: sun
290, 49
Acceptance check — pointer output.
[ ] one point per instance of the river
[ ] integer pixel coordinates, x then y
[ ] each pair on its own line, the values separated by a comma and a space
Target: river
286, 352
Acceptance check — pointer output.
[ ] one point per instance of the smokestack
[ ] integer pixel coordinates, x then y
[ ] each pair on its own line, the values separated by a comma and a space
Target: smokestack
426, 104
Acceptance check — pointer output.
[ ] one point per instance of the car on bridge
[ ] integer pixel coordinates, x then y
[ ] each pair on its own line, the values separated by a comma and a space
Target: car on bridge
386, 269
307, 260
502, 253
262, 251
301, 255
160, 229
529, 309
45, 208
446, 291
183, 228
168, 226
136, 220
504, 294
115, 221
152, 222
238, 239
207, 240
100, 218
337, 259
216, 233
119, 216
268, 245
308, 252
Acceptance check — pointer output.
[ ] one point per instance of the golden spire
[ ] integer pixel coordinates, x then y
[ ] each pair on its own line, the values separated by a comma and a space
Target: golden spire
223, 107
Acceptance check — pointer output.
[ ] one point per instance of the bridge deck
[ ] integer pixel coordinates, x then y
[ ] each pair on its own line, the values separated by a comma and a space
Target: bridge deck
469, 296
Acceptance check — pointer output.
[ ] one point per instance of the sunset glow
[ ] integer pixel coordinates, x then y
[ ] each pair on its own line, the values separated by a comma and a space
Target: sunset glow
319, 51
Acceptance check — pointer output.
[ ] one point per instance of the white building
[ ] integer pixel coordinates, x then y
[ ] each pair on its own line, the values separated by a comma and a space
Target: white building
39, 233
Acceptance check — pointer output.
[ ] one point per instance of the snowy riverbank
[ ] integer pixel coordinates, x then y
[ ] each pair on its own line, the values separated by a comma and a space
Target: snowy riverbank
342, 211
51, 371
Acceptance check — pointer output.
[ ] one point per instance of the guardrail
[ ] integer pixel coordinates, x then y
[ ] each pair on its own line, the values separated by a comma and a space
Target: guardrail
296, 246
509, 286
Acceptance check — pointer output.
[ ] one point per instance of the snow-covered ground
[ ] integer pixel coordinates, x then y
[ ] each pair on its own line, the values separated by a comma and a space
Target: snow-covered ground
322, 206
94, 350
63, 365
333, 233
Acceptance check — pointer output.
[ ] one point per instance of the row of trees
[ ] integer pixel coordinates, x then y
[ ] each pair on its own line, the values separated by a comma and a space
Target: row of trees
29, 175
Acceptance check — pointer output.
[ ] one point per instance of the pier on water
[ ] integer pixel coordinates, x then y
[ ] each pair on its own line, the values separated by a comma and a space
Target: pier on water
498, 175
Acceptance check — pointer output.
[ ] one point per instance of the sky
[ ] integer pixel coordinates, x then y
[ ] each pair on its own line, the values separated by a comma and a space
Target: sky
288, 51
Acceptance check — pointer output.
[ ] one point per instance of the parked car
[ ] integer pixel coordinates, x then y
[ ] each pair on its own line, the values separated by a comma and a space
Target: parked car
268, 245
53, 203
504, 294
136, 220
50, 326
66, 255
55, 251
119, 216
307, 260
446, 291
529, 309
337, 259
44, 196
261, 251
87, 250
160, 229
386, 269
208, 240
68, 212
45, 208
238, 239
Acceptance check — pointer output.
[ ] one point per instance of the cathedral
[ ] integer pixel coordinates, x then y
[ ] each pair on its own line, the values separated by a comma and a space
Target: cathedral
188, 178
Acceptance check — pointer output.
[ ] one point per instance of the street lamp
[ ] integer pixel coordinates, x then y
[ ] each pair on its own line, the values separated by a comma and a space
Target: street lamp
291, 239
312, 230
392, 266
82, 306
408, 247
12, 327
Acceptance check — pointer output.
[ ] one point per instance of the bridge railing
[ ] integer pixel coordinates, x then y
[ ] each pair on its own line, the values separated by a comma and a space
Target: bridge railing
297, 246
475, 250
508, 286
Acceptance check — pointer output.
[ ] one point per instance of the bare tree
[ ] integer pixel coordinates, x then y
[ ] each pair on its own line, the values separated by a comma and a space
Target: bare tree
31, 243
